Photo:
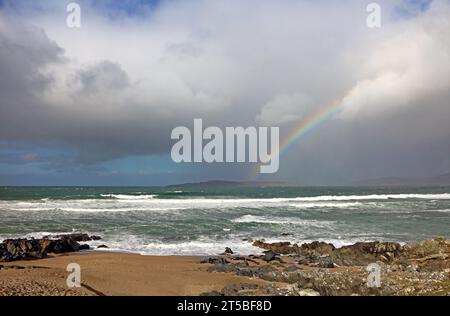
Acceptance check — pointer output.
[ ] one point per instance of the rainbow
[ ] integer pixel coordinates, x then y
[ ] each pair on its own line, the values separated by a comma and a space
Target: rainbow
312, 122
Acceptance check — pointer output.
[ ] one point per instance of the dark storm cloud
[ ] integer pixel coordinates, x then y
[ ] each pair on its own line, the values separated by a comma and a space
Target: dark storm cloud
23, 53
87, 109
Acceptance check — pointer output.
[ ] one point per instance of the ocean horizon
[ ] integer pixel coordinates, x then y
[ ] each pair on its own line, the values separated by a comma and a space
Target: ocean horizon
205, 220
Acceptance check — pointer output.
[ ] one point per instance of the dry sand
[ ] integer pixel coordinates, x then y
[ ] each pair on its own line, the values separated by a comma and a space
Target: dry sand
106, 273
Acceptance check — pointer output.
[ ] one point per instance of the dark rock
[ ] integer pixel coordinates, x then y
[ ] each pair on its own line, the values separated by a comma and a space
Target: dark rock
20, 249
75, 237
79, 237
6, 258
35, 255
84, 247
66, 245
269, 255
245, 259
26, 249
228, 251
315, 248
221, 267
46, 245
214, 260
102, 246
283, 248
266, 272
308, 260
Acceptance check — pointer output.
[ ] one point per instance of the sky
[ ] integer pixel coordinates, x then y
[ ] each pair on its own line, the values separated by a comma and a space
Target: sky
96, 105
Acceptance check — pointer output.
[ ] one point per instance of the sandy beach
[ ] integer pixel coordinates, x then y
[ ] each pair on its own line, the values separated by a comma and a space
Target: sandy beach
112, 274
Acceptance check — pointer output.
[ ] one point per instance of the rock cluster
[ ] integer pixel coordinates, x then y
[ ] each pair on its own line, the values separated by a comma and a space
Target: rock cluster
26, 249
421, 268
358, 254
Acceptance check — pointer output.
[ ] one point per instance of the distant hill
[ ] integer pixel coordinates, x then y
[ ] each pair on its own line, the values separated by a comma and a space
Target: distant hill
443, 179
224, 183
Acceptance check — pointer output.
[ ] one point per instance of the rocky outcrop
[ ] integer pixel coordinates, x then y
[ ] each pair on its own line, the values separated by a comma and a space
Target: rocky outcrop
357, 254
425, 248
76, 237
26, 249
316, 248
283, 248
363, 253
20, 249
421, 268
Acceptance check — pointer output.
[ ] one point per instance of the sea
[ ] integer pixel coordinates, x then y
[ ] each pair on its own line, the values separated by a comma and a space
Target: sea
205, 220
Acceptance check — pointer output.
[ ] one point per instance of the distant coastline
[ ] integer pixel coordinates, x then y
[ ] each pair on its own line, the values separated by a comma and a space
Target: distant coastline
393, 181
225, 183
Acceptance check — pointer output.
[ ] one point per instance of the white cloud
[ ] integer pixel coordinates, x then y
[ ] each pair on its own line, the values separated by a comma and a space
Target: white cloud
410, 64
285, 109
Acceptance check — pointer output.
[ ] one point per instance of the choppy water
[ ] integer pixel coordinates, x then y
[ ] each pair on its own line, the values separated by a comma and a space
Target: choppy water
204, 221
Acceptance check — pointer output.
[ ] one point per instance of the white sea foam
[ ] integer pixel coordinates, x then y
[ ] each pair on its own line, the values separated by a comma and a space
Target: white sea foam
129, 197
200, 247
38, 235
282, 220
206, 246
439, 211
98, 205
124, 202
96, 210
440, 196
306, 205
